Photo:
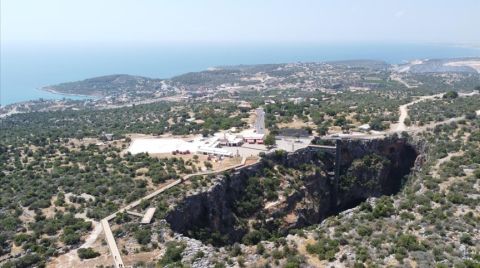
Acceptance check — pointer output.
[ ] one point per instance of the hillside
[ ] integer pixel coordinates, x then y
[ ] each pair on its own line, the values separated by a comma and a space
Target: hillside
108, 85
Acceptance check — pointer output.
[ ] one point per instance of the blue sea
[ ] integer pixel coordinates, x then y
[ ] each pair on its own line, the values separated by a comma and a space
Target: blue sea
27, 67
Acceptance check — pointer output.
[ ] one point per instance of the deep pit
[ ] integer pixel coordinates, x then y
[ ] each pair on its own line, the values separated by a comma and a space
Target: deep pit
245, 206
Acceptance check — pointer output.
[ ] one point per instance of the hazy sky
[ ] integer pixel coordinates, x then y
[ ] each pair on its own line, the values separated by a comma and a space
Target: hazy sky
105, 21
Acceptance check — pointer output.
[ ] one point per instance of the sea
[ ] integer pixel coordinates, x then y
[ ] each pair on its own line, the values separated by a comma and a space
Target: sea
25, 68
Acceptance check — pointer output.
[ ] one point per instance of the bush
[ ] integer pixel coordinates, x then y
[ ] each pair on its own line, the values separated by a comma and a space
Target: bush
260, 249
29, 260
173, 254
450, 95
377, 124
71, 238
294, 262
236, 250
383, 207
269, 140
252, 238
363, 230
408, 242
408, 121
471, 115
87, 253
143, 236
466, 239
207, 164
325, 248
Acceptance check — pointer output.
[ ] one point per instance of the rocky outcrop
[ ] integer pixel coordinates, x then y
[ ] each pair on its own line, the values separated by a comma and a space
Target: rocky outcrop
367, 169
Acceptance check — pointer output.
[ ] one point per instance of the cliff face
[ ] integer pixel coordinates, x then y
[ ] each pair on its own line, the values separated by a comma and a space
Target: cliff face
382, 175
368, 168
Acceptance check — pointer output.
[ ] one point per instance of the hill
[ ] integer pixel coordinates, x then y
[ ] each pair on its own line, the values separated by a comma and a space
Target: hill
108, 85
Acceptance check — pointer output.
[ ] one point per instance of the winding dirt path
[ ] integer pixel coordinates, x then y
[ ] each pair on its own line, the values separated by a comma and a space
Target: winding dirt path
400, 126
398, 78
70, 258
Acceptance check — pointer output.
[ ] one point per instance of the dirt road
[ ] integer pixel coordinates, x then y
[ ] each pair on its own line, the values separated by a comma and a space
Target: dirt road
400, 126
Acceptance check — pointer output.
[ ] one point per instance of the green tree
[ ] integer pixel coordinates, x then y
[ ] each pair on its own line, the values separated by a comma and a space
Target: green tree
143, 236
269, 140
173, 254
408, 122
450, 95
87, 253
208, 165
377, 124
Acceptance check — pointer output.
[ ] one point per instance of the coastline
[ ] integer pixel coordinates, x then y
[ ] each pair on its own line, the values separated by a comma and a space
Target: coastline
56, 95
59, 95
50, 90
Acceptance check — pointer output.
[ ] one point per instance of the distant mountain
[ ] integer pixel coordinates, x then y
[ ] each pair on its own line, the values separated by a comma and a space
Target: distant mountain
108, 85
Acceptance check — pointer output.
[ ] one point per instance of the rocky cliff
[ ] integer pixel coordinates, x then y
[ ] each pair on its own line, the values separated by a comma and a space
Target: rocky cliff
367, 168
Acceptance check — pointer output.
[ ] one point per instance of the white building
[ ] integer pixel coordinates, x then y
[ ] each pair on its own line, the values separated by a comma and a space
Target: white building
251, 136
214, 151
228, 139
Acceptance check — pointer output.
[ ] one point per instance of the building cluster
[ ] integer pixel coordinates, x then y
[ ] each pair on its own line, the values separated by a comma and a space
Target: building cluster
204, 145
229, 139
250, 136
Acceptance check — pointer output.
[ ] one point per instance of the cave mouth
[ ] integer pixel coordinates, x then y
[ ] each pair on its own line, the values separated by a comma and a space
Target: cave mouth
215, 218
408, 155
346, 206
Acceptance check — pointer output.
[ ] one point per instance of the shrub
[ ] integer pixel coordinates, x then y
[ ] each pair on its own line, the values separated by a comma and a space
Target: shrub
143, 236
260, 249
173, 253
450, 95
363, 230
383, 207
199, 255
252, 238
471, 115
408, 242
269, 140
87, 253
466, 239
294, 262
236, 250
71, 238
207, 164
325, 248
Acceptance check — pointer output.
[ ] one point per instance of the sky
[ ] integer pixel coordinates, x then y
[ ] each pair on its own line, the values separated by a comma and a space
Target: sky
234, 21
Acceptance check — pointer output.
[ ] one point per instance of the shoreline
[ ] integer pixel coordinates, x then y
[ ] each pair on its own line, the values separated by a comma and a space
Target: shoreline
50, 90
73, 97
